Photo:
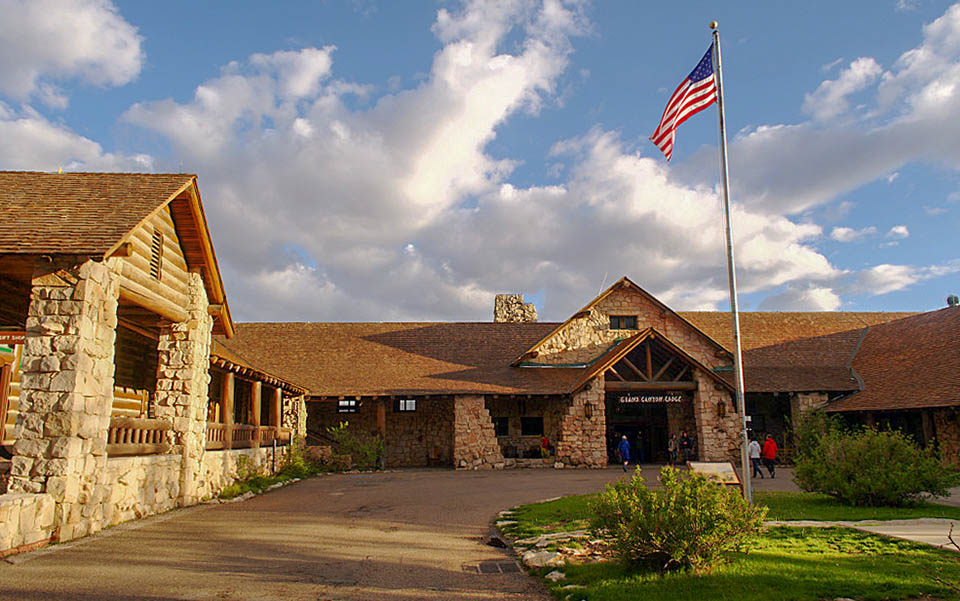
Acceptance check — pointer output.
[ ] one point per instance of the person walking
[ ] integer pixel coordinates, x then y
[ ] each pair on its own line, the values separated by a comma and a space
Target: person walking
769, 454
624, 450
753, 449
672, 446
686, 446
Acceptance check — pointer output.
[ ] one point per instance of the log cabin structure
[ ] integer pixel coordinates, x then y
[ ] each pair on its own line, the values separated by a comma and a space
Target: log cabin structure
109, 296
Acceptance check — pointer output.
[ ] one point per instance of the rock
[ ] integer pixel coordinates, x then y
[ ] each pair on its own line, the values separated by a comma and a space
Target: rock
539, 559
502, 523
558, 465
496, 541
555, 576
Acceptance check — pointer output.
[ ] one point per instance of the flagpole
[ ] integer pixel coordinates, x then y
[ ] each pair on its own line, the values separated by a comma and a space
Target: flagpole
731, 273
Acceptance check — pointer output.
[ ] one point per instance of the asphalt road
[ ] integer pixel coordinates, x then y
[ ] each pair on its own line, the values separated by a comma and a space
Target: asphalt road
397, 535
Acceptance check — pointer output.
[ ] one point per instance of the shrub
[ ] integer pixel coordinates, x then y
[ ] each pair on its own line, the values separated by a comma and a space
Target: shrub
688, 523
361, 449
297, 464
871, 467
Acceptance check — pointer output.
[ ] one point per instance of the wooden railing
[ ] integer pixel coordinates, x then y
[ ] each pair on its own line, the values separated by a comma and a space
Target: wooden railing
241, 436
138, 436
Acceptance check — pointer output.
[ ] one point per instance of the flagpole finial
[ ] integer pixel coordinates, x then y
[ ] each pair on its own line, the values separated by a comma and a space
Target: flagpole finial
714, 24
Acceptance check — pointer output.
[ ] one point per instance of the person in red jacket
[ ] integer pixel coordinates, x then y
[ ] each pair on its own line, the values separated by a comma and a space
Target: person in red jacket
769, 454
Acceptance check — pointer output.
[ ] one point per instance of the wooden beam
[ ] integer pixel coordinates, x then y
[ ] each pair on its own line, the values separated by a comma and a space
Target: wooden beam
255, 399
651, 386
277, 408
663, 369
135, 328
138, 295
616, 374
214, 309
646, 347
683, 371
124, 250
635, 369
226, 394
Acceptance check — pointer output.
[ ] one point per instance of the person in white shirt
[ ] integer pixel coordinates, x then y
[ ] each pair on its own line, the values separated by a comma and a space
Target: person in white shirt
753, 449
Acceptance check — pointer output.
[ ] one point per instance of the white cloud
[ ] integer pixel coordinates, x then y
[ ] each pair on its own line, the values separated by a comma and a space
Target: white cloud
47, 41
31, 142
886, 278
830, 98
846, 234
803, 298
893, 177
898, 231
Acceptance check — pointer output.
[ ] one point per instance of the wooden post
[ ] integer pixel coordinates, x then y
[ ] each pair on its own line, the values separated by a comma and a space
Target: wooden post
255, 410
276, 410
382, 428
227, 395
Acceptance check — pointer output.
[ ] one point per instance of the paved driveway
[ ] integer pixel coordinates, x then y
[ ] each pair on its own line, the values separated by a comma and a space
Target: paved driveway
398, 535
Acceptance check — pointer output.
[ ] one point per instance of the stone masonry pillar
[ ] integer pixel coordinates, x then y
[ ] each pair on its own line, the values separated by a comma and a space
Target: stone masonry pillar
66, 393
182, 380
718, 424
475, 443
583, 428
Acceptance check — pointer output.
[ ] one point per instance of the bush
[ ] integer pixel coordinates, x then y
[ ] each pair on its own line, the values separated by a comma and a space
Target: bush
688, 523
360, 449
870, 467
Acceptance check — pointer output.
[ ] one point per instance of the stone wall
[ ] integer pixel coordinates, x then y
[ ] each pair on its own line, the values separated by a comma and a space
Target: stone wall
948, 435
26, 521
551, 409
802, 403
182, 379
583, 440
718, 437
511, 308
66, 392
141, 486
421, 437
475, 444
220, 469
587, 337
294, 415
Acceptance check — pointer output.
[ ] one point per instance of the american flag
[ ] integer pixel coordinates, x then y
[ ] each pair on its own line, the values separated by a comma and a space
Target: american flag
695, 93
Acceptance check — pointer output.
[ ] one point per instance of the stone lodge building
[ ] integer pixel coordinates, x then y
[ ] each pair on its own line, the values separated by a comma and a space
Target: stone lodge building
482, 395
115, 402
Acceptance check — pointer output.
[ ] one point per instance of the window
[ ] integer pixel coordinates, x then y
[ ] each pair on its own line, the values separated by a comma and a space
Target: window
156, 255
403, 405
501, 426
623, 322
347, 406
531, 426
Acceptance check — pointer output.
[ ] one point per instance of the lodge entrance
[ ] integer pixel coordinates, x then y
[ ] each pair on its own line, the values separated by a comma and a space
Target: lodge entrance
649, 396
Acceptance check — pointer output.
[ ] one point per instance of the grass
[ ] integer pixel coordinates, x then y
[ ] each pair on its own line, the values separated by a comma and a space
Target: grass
573, 513
790, 564
814, 506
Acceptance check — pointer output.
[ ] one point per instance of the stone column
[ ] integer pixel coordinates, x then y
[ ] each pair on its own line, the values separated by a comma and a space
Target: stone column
66, 392
802, 403
718, 436
475, 444
583, 438
182, 379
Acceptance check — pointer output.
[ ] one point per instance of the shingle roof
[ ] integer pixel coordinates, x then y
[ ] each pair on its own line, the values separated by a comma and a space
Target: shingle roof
764, 328
226, 358
78, 213
340, 359
908, 364
809, 364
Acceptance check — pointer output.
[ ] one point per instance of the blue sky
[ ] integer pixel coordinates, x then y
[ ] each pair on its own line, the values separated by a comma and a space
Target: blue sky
407, 160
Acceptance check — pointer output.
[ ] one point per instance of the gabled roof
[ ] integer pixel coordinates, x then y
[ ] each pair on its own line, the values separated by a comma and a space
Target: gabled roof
93, 214
623, 282
385, 359
910, 363
623, 348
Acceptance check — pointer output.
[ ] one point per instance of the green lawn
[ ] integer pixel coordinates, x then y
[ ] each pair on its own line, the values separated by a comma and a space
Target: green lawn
784, 564
813, 506
572, 513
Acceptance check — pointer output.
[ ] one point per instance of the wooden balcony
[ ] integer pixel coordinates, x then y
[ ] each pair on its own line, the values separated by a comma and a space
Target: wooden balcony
138, 436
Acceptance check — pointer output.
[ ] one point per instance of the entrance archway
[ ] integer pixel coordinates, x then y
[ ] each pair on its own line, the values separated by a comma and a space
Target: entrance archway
649, 397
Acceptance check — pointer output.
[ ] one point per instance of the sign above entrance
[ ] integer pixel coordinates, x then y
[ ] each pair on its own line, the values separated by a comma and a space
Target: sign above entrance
644, 399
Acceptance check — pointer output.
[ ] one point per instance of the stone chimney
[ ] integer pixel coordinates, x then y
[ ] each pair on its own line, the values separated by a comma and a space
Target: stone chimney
511, 308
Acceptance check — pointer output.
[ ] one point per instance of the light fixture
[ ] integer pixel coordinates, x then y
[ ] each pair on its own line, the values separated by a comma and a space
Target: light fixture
588, 410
